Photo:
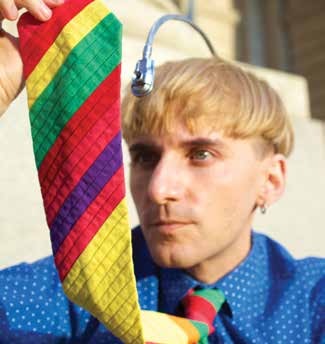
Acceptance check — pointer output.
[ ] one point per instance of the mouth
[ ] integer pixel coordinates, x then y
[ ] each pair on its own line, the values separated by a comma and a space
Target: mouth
168, 227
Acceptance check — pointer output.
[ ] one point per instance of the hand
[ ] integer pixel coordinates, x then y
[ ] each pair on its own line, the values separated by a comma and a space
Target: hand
11, 67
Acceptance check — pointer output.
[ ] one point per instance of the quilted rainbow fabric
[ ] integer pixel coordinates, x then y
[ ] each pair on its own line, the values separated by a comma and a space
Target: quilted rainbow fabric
72, 71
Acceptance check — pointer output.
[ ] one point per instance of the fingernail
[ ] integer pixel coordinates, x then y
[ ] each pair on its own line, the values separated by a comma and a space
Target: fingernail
13, 11
45, 11
57, 2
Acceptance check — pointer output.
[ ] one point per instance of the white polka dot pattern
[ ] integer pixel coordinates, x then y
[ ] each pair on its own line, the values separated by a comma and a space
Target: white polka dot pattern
273, 299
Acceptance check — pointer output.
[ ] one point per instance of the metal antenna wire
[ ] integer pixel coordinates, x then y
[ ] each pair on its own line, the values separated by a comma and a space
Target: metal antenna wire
143, 76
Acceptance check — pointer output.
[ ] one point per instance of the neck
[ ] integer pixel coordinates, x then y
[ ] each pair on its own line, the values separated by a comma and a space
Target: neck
217, 266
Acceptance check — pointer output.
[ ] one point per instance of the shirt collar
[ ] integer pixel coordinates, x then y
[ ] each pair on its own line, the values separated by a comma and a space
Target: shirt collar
248, 282
241, 286
173, 286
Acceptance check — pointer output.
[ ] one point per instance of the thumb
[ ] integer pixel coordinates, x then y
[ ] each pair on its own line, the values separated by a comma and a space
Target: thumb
11, 70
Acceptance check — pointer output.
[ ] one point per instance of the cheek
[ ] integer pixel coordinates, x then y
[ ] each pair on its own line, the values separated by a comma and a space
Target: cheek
138, 185
224, 189
134, 186
213, 183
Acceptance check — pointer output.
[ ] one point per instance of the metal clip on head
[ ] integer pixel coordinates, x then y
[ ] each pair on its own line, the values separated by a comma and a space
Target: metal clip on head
143, 77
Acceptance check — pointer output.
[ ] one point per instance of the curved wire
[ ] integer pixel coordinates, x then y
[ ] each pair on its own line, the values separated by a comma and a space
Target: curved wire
143, 77
148, 46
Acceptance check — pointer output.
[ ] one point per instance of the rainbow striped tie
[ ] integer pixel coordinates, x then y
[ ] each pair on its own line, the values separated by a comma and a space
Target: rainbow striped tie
72, 72
200, 308
203, 306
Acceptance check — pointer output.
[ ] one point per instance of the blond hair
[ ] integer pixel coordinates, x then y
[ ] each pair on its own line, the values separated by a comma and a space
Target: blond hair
202, 91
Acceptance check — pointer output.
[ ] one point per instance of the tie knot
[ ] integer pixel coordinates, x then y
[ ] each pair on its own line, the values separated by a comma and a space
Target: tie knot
203, 305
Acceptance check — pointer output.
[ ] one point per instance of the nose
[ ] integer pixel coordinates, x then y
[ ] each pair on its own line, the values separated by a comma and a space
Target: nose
167, 183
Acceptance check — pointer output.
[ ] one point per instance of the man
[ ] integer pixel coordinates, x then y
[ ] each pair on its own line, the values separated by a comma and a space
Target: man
208, 149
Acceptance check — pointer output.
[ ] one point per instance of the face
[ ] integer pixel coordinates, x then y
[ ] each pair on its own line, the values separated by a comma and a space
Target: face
195, 194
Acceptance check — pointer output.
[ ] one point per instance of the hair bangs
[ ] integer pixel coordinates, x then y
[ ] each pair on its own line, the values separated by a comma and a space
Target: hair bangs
209, 93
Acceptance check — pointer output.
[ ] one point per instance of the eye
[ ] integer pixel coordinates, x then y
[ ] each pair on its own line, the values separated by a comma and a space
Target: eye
201, 155
144, 159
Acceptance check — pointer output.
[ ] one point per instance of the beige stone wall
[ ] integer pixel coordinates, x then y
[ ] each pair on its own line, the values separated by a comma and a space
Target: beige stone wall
174, 40
219, 20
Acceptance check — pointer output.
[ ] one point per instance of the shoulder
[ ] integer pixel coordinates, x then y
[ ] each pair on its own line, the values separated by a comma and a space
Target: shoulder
309, 269
29, 285
296, 285
40, 272
31, 300
305, 276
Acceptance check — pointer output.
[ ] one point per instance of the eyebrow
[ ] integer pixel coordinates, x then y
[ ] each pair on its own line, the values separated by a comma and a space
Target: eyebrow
143, 146
203, 141
197, 142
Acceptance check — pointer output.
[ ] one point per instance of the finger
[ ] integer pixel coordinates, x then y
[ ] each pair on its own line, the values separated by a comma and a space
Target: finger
8, 9
37, 8
53, 3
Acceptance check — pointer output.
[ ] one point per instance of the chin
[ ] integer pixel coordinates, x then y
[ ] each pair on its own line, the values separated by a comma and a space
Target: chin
172, 257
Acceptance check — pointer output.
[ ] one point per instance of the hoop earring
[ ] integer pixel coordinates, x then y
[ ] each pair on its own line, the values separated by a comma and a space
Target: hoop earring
263, 209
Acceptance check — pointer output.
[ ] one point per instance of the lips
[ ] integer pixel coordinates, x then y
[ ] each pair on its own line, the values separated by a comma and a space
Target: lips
171, 222
168, 227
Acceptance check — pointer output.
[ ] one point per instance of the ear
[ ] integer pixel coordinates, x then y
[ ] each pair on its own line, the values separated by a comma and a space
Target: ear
274, 180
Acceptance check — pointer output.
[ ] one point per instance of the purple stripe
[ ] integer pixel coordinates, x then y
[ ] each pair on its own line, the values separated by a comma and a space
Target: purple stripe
89, 186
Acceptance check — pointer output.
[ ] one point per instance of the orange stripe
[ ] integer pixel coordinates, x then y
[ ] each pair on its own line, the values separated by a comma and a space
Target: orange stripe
188, 327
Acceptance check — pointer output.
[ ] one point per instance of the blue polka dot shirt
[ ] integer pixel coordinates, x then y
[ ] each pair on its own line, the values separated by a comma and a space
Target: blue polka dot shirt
272, 297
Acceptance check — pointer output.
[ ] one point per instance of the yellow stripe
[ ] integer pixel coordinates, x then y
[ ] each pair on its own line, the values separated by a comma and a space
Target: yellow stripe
98, 246
102, 279
69, 37
160, 328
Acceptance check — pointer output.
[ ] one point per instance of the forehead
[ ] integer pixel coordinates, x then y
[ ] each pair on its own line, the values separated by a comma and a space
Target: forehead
178, 134
182, 138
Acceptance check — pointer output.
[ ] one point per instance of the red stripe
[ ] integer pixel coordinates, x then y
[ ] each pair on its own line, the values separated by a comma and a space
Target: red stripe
103, 96
89, 223
194, 304
77, 147
43, 34
76, 166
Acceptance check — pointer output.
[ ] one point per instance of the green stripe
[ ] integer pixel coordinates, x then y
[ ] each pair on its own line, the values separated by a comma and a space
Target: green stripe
204, 340
201, 327
214, 296
89, 63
